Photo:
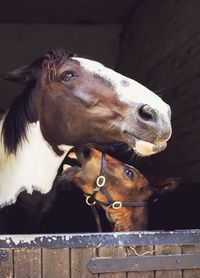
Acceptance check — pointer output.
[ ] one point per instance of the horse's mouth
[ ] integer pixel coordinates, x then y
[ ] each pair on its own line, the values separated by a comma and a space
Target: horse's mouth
77, 156
141, 147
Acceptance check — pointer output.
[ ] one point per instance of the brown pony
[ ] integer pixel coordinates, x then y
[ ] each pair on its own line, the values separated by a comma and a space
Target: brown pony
120, 189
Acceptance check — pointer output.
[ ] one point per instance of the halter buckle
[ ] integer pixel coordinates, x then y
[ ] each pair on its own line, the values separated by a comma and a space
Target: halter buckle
88, 202
116, 205
101, 180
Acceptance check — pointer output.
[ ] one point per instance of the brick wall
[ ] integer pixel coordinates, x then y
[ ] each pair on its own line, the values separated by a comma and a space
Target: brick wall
161, 49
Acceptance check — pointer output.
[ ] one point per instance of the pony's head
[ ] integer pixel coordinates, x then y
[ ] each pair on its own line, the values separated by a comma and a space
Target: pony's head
120, 189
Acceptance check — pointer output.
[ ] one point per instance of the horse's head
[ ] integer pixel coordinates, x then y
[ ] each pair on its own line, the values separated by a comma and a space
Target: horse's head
77, 100
125, 193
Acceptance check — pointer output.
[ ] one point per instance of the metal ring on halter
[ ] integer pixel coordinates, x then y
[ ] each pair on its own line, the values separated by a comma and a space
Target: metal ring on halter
116, 205
87, 201
101, 180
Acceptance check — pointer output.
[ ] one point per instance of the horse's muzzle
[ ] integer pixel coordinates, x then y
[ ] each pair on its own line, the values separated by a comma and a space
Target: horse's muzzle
146, 129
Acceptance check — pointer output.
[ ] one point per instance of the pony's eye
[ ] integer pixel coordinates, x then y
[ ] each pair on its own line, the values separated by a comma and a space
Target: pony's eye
67, 76
129, 173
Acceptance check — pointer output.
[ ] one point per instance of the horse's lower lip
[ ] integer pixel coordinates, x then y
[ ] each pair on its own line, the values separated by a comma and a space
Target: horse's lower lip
144, 148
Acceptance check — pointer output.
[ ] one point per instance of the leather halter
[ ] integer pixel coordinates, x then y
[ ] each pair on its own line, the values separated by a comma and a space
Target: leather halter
100, 186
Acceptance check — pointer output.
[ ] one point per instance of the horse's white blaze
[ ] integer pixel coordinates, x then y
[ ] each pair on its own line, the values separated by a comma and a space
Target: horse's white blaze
133, 92
34, 166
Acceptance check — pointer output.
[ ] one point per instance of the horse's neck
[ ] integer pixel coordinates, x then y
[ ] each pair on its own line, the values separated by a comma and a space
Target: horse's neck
34, 166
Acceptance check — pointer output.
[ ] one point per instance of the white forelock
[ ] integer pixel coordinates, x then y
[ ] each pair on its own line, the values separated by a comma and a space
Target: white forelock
34, 166
133, 92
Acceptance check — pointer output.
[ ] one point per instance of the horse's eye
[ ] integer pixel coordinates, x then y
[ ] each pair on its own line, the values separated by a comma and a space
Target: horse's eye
129, 173
67, 76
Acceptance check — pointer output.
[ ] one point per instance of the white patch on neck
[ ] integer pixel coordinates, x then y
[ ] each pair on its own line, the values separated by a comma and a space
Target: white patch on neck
132, 93
34, 166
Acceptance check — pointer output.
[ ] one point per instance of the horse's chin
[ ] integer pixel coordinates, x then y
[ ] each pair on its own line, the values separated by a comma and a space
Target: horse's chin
144, 148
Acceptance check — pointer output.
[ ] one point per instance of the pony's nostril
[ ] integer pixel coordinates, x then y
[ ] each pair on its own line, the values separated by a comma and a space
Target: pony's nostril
146, 113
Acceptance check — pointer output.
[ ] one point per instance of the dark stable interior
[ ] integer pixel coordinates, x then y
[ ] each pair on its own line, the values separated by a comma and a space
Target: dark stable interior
159, 47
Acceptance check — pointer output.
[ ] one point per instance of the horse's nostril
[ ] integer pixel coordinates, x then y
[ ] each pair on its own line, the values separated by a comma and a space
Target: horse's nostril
146, 113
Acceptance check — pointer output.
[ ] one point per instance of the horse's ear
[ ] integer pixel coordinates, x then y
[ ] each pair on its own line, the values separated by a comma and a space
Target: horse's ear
21, 75
168, 185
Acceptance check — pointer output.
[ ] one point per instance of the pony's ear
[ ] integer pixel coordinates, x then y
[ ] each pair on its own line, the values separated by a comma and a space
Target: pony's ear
168, 185
70, 173
21, 75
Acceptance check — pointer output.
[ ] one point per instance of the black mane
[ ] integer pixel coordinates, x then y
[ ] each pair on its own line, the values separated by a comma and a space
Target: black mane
16, 120
19, 114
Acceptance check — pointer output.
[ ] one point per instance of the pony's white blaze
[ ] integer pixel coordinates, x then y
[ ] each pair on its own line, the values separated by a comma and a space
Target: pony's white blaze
131, 92
34, 166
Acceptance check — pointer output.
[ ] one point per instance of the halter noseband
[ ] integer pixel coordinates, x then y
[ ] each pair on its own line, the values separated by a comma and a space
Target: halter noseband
100, 186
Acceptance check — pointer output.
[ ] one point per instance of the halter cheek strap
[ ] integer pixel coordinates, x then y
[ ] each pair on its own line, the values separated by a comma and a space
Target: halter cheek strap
100, 186
100, 183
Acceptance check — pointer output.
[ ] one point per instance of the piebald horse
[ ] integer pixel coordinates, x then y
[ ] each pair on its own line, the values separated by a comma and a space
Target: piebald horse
69, 101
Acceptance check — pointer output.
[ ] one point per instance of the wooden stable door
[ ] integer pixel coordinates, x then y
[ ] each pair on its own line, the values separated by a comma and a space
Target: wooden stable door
112, 255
